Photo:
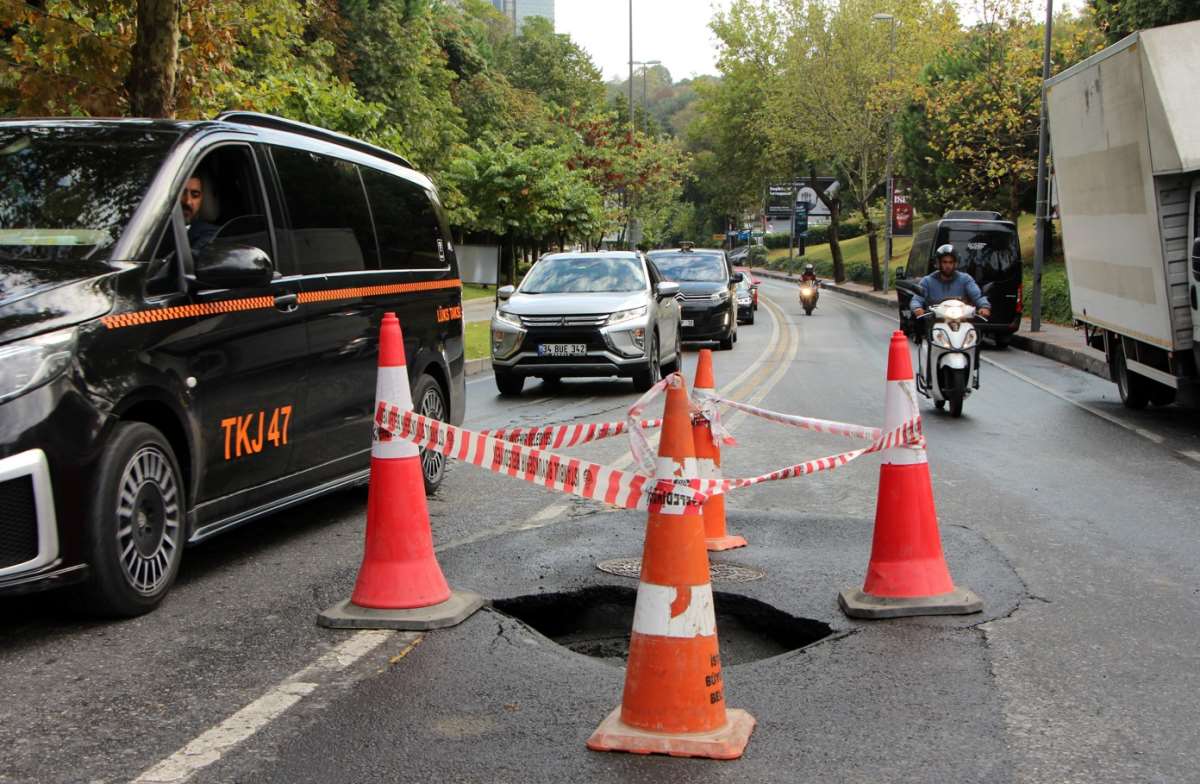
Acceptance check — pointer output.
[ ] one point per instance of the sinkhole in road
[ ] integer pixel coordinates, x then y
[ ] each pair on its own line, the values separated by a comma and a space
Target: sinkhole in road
596, 621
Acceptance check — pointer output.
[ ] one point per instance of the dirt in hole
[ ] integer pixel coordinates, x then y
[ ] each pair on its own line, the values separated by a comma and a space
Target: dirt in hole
596, 622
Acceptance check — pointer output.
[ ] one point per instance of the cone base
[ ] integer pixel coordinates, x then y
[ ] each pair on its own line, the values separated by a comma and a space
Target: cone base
725, 743
347, 615
727, 542
857, 604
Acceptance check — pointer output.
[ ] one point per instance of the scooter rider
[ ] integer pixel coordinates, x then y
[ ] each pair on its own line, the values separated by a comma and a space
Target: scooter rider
809, 274
949, 283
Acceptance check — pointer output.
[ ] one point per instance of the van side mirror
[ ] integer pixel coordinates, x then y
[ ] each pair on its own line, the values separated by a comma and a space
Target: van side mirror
737, 277
229, 265
504, 292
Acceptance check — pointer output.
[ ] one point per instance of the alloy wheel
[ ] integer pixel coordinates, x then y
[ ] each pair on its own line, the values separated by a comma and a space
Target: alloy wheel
148, 520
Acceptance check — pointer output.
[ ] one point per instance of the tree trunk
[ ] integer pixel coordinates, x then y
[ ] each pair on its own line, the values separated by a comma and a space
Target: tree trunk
834, 205
151, 79
873, 244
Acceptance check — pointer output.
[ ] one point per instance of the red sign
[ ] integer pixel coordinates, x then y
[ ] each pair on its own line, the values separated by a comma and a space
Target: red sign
902, 209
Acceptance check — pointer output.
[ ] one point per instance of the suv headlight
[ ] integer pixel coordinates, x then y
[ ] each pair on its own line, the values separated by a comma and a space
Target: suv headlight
720, 296
626, 315
508, 318
30, 363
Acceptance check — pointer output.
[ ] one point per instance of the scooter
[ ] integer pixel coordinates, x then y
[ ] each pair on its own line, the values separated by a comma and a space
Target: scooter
808, 296
948, 356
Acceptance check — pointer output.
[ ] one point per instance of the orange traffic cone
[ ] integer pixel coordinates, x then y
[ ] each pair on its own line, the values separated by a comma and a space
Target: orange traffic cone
907, 574
708, 462
673, 701
400, 584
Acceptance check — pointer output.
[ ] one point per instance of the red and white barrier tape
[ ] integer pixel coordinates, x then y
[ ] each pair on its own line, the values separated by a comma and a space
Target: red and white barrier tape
562, 436
553, 471
707, 399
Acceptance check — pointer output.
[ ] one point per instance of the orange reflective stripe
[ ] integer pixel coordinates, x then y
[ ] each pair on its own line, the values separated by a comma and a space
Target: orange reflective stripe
140, 317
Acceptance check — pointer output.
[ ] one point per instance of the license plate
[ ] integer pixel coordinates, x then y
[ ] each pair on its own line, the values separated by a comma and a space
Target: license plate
687, 322
562, 349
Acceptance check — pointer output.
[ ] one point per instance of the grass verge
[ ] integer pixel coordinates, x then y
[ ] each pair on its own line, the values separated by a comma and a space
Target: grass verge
476, 338
477, 291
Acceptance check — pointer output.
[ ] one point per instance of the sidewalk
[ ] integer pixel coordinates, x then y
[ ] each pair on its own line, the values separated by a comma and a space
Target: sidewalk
1062, 344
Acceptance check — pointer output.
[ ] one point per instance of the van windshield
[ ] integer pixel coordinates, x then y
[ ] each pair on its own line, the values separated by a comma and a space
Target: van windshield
989, 253
66, 193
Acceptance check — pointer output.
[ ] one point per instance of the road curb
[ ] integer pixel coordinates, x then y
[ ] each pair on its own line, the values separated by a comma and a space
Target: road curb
1079, 358
477, 367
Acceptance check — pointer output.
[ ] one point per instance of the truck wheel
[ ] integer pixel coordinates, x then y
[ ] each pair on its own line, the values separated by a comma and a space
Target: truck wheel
1161, 394
1131, 386
135, 528
431, 403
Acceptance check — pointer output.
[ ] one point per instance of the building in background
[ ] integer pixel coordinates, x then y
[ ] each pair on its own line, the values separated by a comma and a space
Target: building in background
520, 10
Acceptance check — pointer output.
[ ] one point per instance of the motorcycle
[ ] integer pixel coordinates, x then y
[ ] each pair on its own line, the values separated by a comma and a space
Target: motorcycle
808, 296
948, 354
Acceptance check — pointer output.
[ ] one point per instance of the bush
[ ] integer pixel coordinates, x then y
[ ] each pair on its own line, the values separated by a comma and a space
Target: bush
1056, 294
777, 240
848, 229
758, 255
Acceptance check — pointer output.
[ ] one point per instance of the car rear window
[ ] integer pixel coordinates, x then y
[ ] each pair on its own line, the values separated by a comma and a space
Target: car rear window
580, 275
681, 267
67, 193
982, 252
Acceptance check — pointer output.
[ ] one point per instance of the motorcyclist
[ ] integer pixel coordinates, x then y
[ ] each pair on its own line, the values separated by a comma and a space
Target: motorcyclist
949, 283
809, 274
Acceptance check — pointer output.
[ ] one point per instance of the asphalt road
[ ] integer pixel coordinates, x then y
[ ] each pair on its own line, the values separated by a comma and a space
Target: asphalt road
1072, 518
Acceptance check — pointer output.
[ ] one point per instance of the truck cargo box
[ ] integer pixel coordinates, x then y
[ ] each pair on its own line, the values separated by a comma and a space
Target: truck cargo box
1125, 137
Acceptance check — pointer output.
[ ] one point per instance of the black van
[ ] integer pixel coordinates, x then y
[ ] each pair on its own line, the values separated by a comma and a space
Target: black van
172, 365
988, 250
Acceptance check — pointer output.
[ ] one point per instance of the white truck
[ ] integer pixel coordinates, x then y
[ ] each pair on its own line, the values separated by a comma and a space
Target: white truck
1125, 136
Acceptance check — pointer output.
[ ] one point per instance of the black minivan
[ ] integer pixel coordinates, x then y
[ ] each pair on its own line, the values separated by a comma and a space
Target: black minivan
189, 321
988, 250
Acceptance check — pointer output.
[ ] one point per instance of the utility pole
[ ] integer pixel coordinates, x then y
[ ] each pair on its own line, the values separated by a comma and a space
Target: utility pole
1040, 213
632, 122
887, 243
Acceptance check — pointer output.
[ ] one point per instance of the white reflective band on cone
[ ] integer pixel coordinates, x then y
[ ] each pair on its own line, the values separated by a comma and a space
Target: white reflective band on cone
900, 405
652, 614
676, 468
391, 385
708, 468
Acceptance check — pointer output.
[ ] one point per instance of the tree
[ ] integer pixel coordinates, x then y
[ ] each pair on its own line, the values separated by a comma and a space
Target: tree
1119, 18
835, 99
970, 134
151, 80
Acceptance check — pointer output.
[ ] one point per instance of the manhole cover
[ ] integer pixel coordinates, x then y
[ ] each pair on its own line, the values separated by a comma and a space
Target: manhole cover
718, 572
596, 622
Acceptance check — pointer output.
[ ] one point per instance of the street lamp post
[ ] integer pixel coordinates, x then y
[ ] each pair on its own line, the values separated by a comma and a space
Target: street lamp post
887, 259
1040, 211
643, 64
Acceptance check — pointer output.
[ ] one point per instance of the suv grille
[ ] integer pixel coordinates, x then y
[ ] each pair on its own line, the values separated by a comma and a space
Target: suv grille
18, 522
585, 320
706, 298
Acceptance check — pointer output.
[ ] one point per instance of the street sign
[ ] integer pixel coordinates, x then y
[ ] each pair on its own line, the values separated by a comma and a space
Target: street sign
902, 209
801, 220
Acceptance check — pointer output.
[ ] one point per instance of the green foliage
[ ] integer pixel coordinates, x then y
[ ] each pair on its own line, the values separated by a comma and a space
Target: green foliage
1056, 292
1119, 18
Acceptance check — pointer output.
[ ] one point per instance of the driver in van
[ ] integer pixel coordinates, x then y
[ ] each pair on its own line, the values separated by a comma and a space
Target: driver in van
199, 231
949, 283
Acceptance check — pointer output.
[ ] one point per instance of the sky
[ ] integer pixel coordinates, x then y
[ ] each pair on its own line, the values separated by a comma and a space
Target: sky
673, 31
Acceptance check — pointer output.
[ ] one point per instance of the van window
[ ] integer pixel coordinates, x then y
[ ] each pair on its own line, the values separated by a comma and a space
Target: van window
405, 222
66, 193
328, 218
987, 254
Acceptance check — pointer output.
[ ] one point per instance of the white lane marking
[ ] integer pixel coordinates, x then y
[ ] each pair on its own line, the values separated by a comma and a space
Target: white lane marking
1107, 417
213, 744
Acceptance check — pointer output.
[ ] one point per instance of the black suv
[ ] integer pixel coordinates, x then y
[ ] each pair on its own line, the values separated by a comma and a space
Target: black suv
988, 250
189, 321
707, 292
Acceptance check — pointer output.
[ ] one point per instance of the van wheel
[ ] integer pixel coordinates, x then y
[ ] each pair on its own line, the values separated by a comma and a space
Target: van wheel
135, 527
1132, 387
431, 403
